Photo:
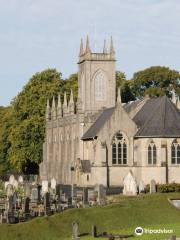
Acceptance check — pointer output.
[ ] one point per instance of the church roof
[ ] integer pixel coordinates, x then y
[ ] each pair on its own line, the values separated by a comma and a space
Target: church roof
159, 117
97, 125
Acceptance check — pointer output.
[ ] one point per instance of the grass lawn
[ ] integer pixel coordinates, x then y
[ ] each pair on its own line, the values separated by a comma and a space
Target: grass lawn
123, 216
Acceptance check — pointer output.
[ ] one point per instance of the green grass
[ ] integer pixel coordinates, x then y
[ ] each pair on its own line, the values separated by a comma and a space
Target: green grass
150, 211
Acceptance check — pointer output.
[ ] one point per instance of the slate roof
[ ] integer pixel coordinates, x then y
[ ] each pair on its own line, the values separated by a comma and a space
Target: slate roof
159, 117
98, 124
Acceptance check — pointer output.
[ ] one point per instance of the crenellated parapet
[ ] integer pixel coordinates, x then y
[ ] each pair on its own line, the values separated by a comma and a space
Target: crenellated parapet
86, 53
59, 109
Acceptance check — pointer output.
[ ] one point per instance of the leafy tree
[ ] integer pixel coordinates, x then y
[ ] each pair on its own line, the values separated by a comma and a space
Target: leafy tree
28, 127
5, 123
156, 81
125, 86
72, 83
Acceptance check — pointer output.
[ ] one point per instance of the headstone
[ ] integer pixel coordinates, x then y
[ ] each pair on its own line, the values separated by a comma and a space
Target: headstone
27, 190
11, 179
53, 183
45, 188
101, 193
47, 203
141, 187
130, 185
9, 190
20, 179
85, 196
6, 184
75, 231
26, 207
34, 194
153, 186
94, 231
15, 184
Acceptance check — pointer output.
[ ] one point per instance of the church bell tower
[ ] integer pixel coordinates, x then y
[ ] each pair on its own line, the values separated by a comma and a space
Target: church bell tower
96, 78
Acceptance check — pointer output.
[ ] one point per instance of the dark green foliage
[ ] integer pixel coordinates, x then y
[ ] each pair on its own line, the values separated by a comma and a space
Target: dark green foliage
71, 83
125, 86
5, 123
156, 81
171, 187
28, 119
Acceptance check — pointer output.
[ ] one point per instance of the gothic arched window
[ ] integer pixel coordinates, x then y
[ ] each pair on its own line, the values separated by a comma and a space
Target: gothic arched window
100, 86
119, 149
175, 153
152, 153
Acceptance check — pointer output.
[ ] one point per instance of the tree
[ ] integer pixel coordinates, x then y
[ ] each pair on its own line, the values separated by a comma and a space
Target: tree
125, 86
72, 83
5, 123
28, 125
156, 81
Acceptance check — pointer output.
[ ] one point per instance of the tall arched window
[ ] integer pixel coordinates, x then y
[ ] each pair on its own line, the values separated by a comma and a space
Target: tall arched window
100, 82
152, 153
175, 153
119, 149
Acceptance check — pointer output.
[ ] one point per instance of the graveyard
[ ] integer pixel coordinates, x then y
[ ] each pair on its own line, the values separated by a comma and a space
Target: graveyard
50, 215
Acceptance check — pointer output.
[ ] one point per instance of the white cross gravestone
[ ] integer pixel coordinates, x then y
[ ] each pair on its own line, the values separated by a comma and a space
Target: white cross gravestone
130, 185
53, 183
45, 188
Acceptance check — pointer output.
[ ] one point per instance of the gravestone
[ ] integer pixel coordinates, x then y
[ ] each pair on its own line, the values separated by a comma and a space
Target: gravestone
27, 190
26, 207
53, 183
34, 194
20, 179
11, 179
47, 206
85, 196
94, 231
15, 184
9, 190
75, 231
101, 193
141, 187
153, 186
45, 187
130, 185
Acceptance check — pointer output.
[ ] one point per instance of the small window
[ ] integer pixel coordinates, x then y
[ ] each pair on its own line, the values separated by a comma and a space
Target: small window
152, 153
175, 153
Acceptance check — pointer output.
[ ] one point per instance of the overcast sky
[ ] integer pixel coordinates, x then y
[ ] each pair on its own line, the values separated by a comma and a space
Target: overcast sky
40, 34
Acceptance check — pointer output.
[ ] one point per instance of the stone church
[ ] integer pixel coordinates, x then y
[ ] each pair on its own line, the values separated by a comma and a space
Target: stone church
99, 139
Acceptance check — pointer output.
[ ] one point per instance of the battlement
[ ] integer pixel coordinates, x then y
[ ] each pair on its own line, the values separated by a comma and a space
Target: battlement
87, 55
